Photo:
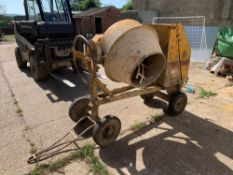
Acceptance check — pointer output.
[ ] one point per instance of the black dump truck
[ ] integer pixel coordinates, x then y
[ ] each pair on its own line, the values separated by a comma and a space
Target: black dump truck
44, 37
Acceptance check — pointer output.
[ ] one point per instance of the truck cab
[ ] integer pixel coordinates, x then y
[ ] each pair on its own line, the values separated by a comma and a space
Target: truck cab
45, 36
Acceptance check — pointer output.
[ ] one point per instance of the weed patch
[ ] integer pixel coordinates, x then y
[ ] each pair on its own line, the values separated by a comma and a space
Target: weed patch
33, 150
9, 38
155, 118
85, 153
230, 84
206, 94
137, 126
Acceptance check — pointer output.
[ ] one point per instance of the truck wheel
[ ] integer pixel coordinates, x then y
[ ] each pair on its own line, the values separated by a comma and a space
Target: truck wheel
177, 104
19, 59
39, 70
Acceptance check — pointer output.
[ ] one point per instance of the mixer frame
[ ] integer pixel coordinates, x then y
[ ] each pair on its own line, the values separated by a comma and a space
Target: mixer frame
107, 131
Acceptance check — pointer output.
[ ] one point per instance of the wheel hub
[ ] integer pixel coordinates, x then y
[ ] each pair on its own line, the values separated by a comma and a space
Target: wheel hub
106, 130
109, 132
80, 108
179, 104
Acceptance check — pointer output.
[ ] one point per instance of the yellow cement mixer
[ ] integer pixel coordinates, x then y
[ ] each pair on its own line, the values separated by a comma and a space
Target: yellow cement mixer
153, 60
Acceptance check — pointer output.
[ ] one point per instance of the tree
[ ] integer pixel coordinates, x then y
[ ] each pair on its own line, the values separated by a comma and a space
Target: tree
128, 6
4, 20
81, 5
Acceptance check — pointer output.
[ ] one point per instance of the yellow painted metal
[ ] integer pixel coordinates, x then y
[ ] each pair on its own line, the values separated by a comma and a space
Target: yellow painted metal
97, 47
176, 49
125, 44
173, 47
185, 51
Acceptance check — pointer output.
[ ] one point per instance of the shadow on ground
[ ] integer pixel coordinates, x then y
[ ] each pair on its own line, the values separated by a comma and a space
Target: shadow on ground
202, 150
59, 91
163, 154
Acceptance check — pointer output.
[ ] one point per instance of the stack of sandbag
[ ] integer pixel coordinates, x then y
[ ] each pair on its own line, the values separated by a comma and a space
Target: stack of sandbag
221, 61
220, 66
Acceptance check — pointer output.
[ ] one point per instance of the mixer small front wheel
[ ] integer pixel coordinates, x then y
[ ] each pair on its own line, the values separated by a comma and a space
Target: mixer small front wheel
106, 130
177, 104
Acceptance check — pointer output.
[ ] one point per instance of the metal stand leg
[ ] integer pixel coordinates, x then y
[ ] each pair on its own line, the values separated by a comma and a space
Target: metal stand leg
59, 147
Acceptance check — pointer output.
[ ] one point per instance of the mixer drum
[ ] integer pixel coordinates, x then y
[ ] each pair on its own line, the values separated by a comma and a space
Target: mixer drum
132, 54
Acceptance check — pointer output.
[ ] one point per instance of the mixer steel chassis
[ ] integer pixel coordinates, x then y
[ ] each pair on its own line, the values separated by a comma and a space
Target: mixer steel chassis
84, 111
90, 105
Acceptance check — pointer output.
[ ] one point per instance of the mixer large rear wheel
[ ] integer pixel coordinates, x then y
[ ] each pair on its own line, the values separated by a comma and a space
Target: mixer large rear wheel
177, 104
79, 108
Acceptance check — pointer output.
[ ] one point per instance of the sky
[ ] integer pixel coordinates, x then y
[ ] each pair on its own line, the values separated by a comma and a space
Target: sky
16, 6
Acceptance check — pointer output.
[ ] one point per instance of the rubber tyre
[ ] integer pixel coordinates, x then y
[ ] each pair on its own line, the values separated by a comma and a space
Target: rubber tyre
106, 130
39, 70
79, 108
19, 59
177, 104
147, 97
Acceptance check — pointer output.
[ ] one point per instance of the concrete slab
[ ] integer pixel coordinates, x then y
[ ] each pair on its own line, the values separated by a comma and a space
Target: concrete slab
13, 147
197, 142
45, 111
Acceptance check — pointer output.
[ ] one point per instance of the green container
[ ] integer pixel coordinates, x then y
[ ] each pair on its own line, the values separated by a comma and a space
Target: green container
224, 45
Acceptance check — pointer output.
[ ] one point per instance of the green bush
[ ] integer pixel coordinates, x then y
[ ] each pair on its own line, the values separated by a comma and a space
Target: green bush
5, 20
128, 6
82, 5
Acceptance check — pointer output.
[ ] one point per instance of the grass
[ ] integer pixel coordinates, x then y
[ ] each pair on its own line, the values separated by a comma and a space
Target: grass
137, 126
33, 149
206, 94
39, 170
8, 38
87, 153
18, 110
155, 118
27, 128
58, 164
97, 166
152, 119
230, 84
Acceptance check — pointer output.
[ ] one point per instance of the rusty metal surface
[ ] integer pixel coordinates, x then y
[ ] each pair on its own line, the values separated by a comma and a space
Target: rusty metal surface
176, 48
185, 52
132, 53
105, 95
62, 145
115, 31
96, 44
127, 94
171, 79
